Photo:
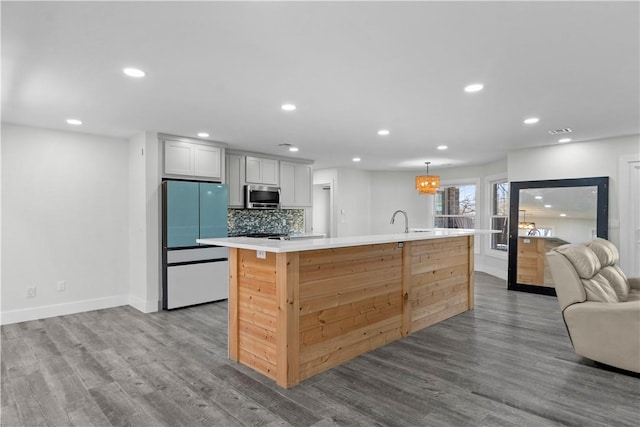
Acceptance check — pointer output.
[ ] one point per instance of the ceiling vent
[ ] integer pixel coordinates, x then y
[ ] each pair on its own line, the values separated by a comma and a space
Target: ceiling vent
559, 131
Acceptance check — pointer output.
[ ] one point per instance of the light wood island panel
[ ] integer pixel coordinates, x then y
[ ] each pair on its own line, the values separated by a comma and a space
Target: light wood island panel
532, 263
296, 314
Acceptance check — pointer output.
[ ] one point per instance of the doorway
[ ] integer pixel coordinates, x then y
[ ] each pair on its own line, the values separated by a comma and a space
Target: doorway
322, 221
630, 215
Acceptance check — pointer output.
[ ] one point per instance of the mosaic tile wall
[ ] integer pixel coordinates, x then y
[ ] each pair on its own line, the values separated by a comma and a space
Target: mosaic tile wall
276, 221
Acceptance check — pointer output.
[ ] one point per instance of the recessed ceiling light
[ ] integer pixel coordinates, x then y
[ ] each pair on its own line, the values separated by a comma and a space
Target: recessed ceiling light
531, 120
442, 147
356, 159
538, 197
293, 149
547, 206
383, 132
563, 214
288, 107
74, 122
203, 135
475, 87
563, 140
134, 72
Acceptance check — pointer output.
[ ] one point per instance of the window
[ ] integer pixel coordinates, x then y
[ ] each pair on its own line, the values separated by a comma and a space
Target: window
455, 206
500, 215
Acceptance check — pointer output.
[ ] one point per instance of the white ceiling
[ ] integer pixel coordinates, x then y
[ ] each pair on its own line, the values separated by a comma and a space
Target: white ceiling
351, 68
574, 202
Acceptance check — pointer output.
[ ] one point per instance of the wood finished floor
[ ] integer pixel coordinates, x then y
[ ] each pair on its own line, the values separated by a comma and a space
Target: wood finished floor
508, 362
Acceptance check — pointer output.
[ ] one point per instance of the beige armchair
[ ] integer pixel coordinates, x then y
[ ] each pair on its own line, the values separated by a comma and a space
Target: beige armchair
600, 306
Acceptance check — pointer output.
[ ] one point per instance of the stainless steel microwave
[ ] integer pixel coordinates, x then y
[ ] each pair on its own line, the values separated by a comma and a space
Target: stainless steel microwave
261, 197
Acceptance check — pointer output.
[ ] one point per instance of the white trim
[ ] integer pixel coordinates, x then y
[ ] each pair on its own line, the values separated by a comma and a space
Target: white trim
42, 312
627, 234
494, 253
145, 306
478, 215
488, 181
497, 177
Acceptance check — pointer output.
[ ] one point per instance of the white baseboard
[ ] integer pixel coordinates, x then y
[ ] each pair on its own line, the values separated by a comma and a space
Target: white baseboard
144, 306
35, 313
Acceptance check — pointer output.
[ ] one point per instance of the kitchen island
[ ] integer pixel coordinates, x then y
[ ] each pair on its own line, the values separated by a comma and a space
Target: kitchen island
299, 307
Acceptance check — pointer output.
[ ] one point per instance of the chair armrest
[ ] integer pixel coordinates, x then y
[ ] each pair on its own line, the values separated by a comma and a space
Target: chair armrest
606, 332
634, 283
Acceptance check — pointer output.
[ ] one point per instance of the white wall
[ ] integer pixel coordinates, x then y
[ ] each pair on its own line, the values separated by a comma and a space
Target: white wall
137, 222
486, 260
86, 209
351, 212
321, 210
330, 177
397, 190
1, 310
64, 217
352, 202
574, 230
578, 160
144, 222
153, 160
373, 196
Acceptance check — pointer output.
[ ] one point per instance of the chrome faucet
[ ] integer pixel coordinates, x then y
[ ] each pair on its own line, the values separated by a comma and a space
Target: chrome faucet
406, 219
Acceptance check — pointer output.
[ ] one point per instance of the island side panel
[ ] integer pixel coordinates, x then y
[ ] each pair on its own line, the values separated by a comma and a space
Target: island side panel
439, 277
287, 319
472, 277
350, 303
257, 308
232, 304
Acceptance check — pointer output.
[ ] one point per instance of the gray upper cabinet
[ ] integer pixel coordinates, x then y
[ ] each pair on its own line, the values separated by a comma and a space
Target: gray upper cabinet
178, 158
235, 179
296, 181
207, 161
193, 159
261, 171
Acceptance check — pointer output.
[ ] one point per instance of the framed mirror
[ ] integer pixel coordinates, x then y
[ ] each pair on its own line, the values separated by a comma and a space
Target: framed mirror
550, 213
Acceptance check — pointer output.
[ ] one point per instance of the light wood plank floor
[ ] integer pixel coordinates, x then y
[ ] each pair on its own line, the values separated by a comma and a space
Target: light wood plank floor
508, 362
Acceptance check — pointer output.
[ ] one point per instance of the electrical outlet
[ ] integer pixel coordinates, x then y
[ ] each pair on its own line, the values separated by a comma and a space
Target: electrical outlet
61, 285
31, 292
261, 254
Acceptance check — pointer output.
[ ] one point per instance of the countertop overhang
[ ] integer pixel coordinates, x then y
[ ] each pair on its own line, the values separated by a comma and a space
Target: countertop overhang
283, 246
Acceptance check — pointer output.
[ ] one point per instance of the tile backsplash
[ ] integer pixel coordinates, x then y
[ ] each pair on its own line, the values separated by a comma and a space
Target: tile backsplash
244, 221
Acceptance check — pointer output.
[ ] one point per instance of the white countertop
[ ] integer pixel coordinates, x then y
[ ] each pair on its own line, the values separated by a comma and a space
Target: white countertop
297, 245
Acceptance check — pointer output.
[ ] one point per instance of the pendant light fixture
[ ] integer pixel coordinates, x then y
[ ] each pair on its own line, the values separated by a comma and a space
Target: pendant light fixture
524, 225
427, 184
